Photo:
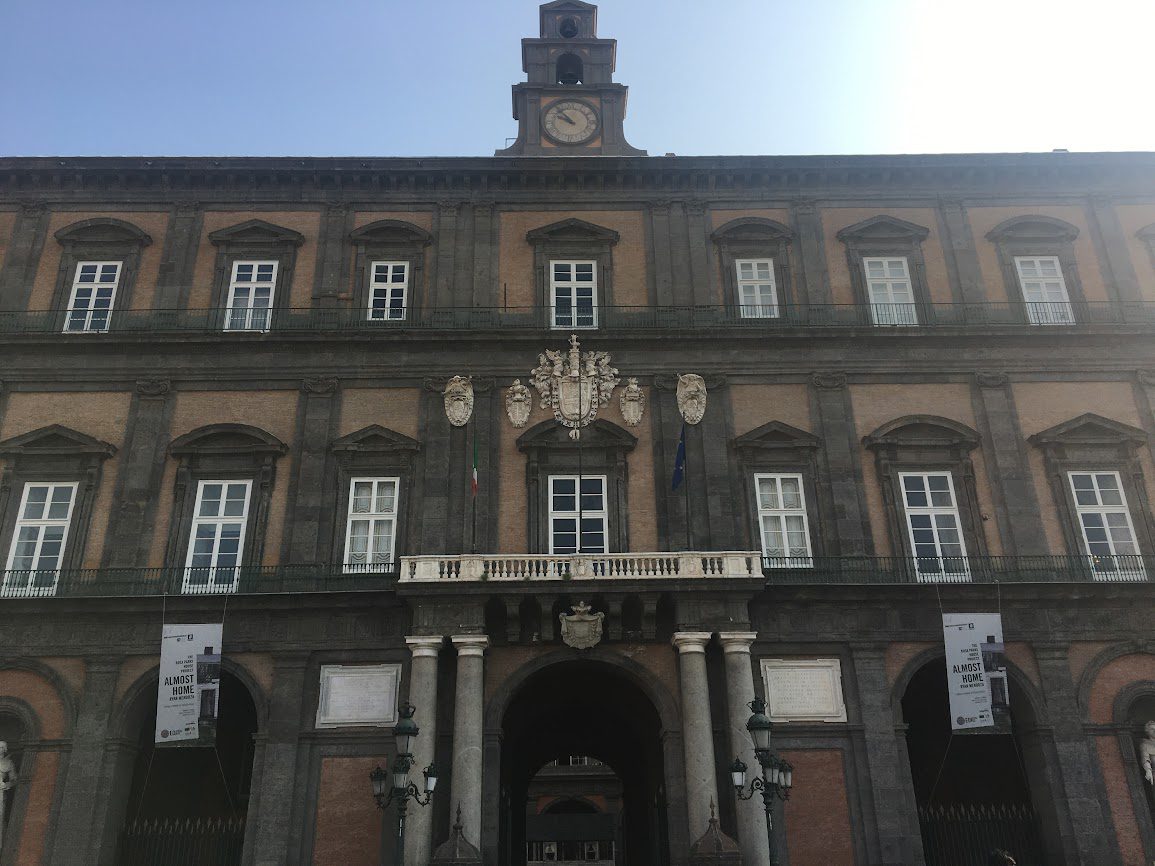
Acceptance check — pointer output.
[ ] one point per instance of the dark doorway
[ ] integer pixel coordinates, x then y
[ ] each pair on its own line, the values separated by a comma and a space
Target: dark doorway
973, 790
583, 711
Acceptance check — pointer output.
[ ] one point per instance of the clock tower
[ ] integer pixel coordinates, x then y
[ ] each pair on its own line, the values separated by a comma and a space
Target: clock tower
569, 104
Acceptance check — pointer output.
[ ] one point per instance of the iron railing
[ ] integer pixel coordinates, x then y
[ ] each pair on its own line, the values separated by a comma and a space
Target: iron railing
965, 834
965, 569
182, 842
892, 317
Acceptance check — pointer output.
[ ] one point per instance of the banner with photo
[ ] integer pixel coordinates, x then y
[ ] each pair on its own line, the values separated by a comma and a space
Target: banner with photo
976, 672
188, 697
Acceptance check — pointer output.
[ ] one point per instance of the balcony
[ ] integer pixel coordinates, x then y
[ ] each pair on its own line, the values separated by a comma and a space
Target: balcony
889, 318
879, 570
501, 568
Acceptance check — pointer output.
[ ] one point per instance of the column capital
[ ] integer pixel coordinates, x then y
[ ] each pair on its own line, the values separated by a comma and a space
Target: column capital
690, 641
737, 641
424, 645
470, 644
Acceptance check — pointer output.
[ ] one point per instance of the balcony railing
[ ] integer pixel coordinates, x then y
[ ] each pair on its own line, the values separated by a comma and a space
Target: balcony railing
876, 570
890, 317
610, 566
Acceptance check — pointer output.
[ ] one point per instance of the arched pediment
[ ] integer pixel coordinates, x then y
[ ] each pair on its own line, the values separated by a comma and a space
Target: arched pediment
1033, 227
227, 439
1090, 429
55, 440
374, 439
1147, 233
103, 230
391, 231
572, 230
883, 228
922, 431
257, 232
776, 435
552, 435
752, 229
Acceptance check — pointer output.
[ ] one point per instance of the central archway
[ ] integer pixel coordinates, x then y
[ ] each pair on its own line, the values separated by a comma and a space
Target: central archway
587, 707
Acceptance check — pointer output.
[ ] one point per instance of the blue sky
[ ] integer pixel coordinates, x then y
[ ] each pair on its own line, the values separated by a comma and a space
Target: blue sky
392, 78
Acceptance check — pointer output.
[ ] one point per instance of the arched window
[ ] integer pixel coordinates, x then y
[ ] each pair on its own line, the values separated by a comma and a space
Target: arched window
570, 69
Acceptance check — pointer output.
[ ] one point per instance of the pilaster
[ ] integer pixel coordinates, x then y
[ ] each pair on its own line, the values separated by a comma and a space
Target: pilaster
830, 404
423, 696
468, 726
697, 729
22, 256
178, 257
318, 409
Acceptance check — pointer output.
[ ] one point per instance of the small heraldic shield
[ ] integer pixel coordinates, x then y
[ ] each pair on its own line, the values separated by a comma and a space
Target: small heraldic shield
581, 629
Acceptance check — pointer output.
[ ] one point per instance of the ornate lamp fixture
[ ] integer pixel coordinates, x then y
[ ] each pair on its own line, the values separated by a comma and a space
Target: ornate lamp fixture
777, 774
395, 786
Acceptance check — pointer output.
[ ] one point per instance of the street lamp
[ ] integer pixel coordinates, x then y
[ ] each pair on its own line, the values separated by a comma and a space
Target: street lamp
777, 774
399, 788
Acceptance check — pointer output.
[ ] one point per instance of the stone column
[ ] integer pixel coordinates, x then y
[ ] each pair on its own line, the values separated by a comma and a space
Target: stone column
739, 690
423, 696
697, 731
467, 733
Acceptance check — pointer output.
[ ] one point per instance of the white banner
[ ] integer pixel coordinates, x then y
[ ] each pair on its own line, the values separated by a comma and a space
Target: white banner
187, 699
976, 671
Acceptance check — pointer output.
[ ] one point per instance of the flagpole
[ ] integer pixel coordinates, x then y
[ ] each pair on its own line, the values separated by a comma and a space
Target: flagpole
686, 488
473, 486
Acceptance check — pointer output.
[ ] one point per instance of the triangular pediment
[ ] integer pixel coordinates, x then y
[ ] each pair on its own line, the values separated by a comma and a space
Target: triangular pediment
572, 230
375, 439
1033, 227
391, 231
922, 430
777, 434
752, 229
227, 439
103, 230
1089, 429
257, 232
55, 439
600, 434
884, 228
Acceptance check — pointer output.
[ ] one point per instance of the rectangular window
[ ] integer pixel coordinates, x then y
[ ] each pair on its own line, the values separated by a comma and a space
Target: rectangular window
251, 296
757, 293
935, 529
388, 291
92, 297
571, 513
889, 291
1044, 290
573, 293
372, 524
782, 521
217, 538
1105, 522
39, 537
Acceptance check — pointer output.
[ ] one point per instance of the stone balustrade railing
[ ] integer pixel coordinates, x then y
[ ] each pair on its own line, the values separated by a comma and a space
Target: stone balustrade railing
609, 566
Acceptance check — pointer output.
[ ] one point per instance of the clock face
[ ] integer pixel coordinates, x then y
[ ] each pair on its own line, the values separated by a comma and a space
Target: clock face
570, 122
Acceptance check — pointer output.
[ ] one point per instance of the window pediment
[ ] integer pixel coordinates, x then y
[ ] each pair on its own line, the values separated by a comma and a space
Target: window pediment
602, 434
754, 230
776, 435
257, 232
391, 231
1033, 228
572, 231
375, 439
1090, 429
55, 440
922, 431
568, 5
883, 228
103, 230
228, 439
1147, 233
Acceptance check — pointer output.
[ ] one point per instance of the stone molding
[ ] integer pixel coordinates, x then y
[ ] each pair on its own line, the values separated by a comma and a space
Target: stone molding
737, 642
833, 381
424, 646
690, 641
153, 387
470, 645
991, 380
320, 385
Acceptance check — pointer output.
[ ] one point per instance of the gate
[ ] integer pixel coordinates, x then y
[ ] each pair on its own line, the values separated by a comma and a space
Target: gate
182, 842
964, 835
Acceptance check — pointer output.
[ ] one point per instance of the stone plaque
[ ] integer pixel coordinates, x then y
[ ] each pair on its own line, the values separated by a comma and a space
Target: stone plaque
358, 695
804, 690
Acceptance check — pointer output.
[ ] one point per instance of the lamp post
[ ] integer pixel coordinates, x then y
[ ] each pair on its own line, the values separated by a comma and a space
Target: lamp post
396, 785
777, 774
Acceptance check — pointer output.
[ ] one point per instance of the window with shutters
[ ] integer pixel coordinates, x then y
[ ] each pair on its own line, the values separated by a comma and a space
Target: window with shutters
932, 518
217, 540
1105, 523
38, 542
782, 520
372, 524
757, 293
577, 514
1044, 290
889, 290
92, 297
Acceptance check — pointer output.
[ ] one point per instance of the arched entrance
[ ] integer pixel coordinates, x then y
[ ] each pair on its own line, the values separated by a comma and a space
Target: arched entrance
977, 792
594, 710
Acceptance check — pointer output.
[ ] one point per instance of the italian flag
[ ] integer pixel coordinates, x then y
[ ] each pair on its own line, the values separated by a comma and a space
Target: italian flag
473, 477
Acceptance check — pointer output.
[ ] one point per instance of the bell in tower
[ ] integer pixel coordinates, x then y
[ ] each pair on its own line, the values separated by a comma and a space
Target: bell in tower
569, 104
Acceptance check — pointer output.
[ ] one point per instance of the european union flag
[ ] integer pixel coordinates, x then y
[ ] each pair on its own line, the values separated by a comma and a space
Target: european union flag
680, 459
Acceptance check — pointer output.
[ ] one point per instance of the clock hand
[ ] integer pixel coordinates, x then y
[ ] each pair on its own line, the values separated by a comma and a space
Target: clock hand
566, 118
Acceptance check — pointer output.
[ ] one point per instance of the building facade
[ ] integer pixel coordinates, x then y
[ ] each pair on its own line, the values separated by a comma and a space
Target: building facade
258, 392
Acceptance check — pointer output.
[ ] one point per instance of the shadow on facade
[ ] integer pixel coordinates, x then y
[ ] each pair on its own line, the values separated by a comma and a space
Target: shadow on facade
586, 708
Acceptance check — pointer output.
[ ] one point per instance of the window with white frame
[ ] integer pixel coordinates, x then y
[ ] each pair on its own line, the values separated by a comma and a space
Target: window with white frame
573, 290
932, 520
889, 291
1105, 523
577, 507
757, 292
217, 536
251, 296
782, 520
388, 291
39, 537
93, 294
372, 525
1044, 290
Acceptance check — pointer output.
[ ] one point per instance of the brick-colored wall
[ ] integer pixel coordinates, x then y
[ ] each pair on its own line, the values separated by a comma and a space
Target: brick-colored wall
755, 405
348, 828
38, 814
817, 815
1119, 800
395, 408
7, 225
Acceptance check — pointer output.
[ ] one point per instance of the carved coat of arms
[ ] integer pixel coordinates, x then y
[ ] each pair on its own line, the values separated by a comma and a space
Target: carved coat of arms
691, 397
574, 384
518, 404
459, 400
633, 403
581, 629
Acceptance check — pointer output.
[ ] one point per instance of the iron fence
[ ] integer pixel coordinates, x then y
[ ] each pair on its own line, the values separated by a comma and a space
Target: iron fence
182, 842
965, 834
890, 317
